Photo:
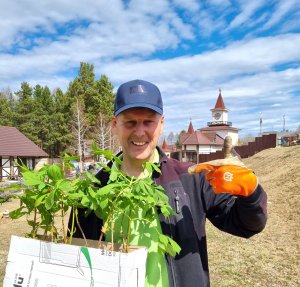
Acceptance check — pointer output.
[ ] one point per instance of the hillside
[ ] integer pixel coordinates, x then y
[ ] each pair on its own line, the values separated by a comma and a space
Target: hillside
271, 258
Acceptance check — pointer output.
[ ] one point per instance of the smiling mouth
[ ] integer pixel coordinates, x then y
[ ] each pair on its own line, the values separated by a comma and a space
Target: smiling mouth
139, 143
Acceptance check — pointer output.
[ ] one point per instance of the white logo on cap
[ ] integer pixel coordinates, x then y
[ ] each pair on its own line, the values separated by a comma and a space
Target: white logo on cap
137, 89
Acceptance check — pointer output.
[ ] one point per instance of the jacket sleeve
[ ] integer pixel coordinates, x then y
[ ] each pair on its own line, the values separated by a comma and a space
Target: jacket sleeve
240, 216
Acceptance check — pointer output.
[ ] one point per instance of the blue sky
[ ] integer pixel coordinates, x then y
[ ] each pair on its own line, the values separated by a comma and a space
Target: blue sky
189, 49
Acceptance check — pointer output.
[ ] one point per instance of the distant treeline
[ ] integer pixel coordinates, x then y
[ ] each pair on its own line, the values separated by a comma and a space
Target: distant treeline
58, 121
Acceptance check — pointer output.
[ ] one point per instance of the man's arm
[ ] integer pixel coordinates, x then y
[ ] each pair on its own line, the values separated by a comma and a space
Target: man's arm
237, 215
234, 200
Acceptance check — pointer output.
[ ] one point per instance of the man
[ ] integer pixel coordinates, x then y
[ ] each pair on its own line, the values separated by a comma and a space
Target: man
228, 195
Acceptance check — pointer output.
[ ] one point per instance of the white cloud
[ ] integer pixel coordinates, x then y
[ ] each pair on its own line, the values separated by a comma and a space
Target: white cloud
281, 10
191, 5
141, 40
248, 8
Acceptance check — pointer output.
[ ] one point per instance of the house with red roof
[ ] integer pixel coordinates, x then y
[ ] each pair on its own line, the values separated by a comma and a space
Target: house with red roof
210, 138
168, 149
15, 147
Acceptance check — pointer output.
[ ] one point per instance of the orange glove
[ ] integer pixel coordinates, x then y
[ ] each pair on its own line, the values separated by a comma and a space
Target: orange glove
228, 175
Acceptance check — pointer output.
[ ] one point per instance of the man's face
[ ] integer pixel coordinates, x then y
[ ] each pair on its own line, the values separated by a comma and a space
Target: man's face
138, 130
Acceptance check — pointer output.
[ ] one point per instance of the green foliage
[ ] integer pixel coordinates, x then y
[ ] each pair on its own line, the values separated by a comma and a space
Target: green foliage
6, 113
45, 117
97, 95
125, 196
25, 107
61, 122
49, 194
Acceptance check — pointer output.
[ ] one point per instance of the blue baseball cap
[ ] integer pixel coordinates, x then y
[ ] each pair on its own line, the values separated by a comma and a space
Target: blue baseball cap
138, 94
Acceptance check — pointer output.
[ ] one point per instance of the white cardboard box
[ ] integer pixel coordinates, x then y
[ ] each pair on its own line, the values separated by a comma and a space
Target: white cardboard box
39, 263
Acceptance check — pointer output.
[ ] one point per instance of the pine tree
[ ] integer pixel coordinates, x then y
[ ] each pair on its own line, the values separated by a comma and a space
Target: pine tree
97, 97
43, 118
25, 107
61, 122
6, 113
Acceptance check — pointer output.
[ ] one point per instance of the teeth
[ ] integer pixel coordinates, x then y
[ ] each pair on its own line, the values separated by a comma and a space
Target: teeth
139, 143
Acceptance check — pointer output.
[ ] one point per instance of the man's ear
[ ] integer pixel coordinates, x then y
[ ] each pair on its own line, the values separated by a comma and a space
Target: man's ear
114, 124
162, 121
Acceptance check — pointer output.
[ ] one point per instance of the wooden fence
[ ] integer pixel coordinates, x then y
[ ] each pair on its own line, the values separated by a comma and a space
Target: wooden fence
260, 143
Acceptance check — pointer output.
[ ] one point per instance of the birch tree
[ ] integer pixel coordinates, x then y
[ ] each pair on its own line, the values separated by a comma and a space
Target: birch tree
79, 127
105, 138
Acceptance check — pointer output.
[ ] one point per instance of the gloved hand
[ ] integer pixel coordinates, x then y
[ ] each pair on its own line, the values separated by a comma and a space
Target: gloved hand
228, 175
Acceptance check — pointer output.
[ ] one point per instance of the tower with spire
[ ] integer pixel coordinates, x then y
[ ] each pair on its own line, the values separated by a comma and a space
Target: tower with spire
219, 123
219, 113
211, 138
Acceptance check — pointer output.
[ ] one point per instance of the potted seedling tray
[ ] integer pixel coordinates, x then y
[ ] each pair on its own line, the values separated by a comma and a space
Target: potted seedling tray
49, 255
33, 262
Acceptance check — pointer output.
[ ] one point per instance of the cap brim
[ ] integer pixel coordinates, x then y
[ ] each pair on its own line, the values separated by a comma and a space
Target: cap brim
139, 105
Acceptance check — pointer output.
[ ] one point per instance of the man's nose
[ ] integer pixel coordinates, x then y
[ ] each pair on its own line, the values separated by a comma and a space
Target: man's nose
140, 129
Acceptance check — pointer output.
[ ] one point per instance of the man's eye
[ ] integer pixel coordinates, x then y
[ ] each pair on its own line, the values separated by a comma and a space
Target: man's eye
149, 122
129, 124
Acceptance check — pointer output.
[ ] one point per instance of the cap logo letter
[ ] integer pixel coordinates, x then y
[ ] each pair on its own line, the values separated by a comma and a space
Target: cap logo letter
137, 89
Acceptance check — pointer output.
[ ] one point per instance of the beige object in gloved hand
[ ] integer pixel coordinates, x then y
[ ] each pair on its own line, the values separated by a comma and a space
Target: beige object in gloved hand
228, 175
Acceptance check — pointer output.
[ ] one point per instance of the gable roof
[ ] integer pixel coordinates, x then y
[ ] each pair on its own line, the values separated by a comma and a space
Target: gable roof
199, 138
14, 143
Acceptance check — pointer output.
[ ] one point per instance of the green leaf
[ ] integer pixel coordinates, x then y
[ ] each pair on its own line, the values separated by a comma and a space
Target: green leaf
107, 188
17, 213
32, 223
67, 157
108, 154
156, 167
64, 185
54, 172
85, 201
103, 203
39, 200
31, 178
114, 173
49, 202
167, 244
92, 193
41, 186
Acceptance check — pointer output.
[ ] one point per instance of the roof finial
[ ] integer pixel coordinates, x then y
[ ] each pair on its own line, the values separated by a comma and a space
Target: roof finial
220, 91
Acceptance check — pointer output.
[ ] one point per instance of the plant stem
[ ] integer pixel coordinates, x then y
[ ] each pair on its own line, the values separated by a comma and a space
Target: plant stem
35, 225
73, 223
62, 219
112, 234
79, 226
127, 240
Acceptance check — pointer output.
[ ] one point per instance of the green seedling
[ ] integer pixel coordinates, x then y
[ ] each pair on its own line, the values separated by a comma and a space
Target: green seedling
49, 194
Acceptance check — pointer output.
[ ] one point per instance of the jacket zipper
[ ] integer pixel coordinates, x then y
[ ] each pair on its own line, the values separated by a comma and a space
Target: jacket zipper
177, 202
171, 234
170, 257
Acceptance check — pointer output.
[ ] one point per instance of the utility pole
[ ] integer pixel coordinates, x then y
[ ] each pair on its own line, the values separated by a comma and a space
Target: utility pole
283, 123
260, 123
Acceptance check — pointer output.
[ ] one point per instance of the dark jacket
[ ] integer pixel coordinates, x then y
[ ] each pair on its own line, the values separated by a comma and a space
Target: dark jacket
194, 201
